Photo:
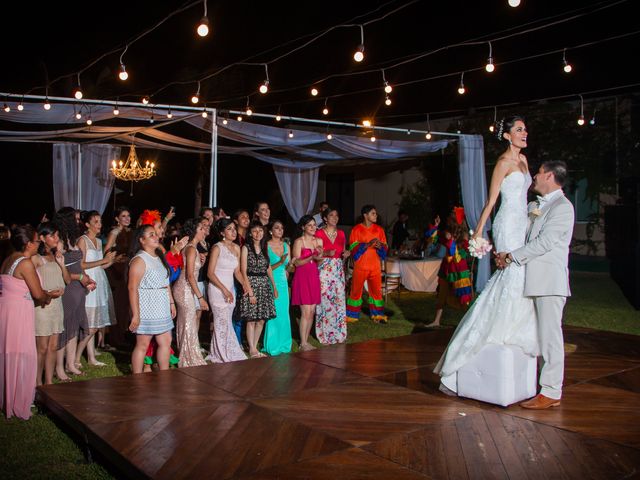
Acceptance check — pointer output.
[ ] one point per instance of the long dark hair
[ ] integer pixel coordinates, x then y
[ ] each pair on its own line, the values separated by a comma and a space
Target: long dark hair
220, 226
136, 246
44, 229
303, 222
21, 236
506, 124
190, 227
68, 226
263, 241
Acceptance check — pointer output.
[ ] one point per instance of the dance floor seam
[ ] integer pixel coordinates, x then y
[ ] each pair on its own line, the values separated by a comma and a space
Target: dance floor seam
370, 410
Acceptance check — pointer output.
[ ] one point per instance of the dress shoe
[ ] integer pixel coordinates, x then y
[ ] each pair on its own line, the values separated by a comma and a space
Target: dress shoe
540, 402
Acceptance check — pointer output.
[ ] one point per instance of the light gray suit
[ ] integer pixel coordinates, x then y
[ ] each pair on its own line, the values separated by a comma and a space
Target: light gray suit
546, 256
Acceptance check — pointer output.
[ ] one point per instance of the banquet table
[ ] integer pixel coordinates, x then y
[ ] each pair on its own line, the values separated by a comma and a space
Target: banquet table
417, 275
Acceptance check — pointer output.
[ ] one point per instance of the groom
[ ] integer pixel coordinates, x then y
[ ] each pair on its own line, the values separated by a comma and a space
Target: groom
545, 255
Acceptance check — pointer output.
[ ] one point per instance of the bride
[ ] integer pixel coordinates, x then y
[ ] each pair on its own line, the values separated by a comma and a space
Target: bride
501, 314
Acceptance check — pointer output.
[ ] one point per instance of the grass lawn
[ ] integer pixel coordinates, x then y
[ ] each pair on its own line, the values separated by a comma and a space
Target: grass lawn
41, 449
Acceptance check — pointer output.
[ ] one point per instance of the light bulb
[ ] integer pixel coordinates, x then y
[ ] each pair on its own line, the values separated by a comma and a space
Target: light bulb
116, 111
7, 108
151, 119
239, 118
366, 123
592, 121
581, 120
195, 99
224, 121
314, 91
428, 136
264, 88
490, 67
78, 93
388, 88
47, 105
359, 55
169, 114
373, 138
329, 136
567, 67
113, 164
89, 121
514, 3
387, 101
290, 133
20, 107
461, 89
123, 75
325, 111
121, 163
203, 28
145, 100
492, 128
204, 114
278, 118
78, 115
249, 112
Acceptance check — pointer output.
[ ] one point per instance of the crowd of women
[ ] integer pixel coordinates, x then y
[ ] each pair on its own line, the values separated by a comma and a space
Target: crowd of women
65, 289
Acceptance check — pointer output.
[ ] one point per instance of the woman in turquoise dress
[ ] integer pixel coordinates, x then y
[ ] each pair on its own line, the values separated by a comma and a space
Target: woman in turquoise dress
277, 335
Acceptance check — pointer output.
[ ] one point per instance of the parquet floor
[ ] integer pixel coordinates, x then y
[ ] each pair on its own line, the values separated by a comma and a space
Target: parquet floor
362, 411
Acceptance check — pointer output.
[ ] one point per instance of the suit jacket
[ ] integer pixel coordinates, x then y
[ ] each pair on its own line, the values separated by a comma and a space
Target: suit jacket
546, 252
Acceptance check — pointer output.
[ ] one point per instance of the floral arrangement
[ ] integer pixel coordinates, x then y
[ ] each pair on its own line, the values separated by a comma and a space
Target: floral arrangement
478, 247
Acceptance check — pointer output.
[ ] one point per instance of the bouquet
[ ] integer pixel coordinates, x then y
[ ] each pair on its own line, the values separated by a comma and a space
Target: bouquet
479, 247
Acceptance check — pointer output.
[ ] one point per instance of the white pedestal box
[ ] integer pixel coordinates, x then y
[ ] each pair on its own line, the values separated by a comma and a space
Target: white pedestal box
499, 374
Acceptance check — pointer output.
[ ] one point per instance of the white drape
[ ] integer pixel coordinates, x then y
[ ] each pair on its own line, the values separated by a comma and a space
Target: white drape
474, 192
96, 181
298, 188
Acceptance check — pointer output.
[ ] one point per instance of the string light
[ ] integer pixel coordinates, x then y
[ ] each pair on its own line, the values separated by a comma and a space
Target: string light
514, 3
196, 97
461, 89
373, 138
145, 100
566, 65
78, 113
78, 91
203, 27
329, 136
278, 118
264, 87
366, 123
581, 117
20, 106
7, 108
358, 56
47, 105
492, 127
204, 113
325, 110
248, 110
290, 133
123, 75
224, 121
152, 118
116, 110
239, 118
89, 121
387, 100
428, 135
490, 67
592, 122
387, 88
314, 92
169, 114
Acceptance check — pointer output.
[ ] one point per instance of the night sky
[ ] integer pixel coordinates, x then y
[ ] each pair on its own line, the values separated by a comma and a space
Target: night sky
57, 41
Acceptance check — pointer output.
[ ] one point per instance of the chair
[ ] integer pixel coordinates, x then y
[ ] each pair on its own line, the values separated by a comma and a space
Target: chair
390, 281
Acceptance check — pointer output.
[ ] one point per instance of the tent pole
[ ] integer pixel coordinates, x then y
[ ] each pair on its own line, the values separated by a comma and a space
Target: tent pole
79, 179
213, 171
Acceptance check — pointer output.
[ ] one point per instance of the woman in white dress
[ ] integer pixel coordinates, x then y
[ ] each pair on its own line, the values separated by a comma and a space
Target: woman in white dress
224, 265
99, 302
501, 314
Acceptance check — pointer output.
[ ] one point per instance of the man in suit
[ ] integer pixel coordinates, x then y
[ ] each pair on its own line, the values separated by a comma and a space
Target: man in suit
545, 255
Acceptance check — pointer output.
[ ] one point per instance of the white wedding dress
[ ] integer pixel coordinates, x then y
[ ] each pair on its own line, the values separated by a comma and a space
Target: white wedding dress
501, 314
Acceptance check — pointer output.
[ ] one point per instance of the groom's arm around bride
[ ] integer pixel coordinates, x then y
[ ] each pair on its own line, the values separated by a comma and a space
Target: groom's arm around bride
545, 256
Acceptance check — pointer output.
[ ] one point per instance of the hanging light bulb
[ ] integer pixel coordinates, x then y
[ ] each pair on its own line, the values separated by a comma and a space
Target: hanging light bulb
78, 93
290, 133
461, 89
78, 115
428, 136
373, 138
195, 98
329, 136
7, 108
387, 88
20, 107
314, 92
581, 117
492, 128
145, 100
366, 123
566, 65
490, 67
169, 114
514, 3
325, 111
239, 118
47, 105
116, 110
123, 75
358, 56
249, 112
225, 121
278, 118
89, 121
264, 87
151, 118
581, 120
204, 113
592, 122
203, 27
387, 101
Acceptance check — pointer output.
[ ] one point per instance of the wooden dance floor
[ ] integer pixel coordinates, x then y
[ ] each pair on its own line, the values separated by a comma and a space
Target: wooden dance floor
370, 410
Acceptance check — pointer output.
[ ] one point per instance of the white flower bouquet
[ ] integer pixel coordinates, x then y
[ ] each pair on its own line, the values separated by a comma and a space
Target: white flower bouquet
479, 247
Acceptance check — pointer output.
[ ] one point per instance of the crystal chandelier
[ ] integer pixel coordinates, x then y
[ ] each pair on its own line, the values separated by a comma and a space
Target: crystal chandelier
131, 170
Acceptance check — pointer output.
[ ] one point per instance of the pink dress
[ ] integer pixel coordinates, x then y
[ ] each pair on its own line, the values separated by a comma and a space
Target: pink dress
305, 288
18, 358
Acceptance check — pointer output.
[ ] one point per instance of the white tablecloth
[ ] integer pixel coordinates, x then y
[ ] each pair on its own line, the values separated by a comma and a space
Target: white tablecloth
416, 275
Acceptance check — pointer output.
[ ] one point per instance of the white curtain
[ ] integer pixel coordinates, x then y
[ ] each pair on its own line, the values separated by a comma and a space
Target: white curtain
474, 192
96, 181
298, 188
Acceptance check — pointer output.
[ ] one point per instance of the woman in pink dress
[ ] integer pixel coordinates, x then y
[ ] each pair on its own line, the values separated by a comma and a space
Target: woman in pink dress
305, 288
19, 289
331, 312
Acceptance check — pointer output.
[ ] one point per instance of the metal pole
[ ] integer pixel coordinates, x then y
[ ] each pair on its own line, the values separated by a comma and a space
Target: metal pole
213, 171
79, 179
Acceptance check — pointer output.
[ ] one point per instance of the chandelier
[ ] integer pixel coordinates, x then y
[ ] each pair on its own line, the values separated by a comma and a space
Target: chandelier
131, 170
